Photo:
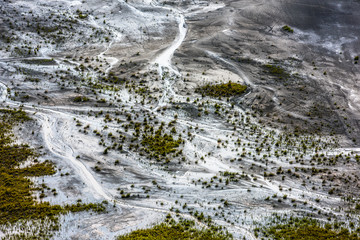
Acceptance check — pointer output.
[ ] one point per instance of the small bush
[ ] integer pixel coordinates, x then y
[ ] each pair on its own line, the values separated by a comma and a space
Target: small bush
286, 28
80, 99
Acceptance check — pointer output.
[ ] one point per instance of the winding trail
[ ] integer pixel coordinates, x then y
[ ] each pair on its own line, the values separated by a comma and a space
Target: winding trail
163, 62
59, 148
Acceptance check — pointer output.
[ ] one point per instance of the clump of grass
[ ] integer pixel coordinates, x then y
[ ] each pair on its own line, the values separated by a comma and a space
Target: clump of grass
286, 28
80, 99
184, 229
159, 144
306, 229
229, 89
277, 71
81, 15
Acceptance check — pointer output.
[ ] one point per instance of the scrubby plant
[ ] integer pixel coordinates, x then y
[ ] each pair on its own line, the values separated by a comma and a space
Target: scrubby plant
80, 99
229, 89
287, 29
277, 71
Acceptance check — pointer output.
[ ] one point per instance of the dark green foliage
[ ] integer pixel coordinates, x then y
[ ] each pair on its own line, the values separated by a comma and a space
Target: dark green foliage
307, 229
112, 78
287, 29
172, 230
35, 170
80, 99
14, 116
80, 207
276, 71
40, 61
17, 201
159, 145
229, 89
81, 15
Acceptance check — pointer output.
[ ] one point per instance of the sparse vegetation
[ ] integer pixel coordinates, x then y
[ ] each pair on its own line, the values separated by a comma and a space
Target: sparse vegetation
229, 89
81, 99
307, 229
160, 145
182, 230
276, 71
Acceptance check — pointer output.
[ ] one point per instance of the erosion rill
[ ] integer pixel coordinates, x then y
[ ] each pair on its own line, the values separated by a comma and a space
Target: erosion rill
152, 119
163, 62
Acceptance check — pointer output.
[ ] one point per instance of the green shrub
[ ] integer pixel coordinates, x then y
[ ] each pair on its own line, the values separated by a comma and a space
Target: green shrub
160, 145
80, 99
277, 71
286, 28
229, 89
307, 229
